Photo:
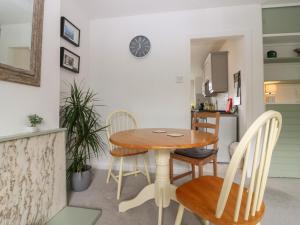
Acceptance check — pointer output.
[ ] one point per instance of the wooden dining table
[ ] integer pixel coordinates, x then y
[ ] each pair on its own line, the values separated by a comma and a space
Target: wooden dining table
163, 142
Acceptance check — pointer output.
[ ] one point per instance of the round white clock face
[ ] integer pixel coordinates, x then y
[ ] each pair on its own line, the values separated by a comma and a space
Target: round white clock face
140, 46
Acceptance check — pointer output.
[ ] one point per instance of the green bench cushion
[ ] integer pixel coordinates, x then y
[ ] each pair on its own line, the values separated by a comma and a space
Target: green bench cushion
75, 216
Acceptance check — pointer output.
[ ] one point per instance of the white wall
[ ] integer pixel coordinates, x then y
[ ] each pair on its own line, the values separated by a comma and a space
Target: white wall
74, 11
236, 48
147, 87
196, 68
17, 100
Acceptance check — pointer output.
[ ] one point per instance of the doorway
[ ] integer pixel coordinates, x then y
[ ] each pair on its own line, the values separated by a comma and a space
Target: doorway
201, 51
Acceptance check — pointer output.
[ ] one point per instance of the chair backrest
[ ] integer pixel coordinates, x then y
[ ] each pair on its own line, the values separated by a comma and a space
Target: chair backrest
256, 146
118, 121
198, 123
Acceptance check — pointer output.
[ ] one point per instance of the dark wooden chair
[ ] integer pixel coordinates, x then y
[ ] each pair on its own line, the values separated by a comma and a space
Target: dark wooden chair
198, 156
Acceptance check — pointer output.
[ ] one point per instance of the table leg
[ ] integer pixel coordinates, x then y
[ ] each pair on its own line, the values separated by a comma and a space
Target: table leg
173, 192
162, 181
146, 194
162, 191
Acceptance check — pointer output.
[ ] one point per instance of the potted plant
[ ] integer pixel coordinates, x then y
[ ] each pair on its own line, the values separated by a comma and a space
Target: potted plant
84, 139
34, 120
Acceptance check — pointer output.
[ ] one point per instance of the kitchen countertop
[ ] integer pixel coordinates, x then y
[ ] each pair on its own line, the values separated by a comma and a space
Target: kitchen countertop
222, 112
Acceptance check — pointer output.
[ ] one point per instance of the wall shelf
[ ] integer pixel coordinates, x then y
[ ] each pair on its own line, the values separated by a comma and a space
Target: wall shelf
282, 60
281, 38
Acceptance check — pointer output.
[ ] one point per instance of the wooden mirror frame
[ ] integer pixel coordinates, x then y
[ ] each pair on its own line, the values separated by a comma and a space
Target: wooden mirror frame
33, 75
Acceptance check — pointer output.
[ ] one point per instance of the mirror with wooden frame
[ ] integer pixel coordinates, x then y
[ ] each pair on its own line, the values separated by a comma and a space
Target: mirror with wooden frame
21, 31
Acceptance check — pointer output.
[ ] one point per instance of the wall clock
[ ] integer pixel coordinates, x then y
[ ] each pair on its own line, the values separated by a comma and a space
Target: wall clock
140, 46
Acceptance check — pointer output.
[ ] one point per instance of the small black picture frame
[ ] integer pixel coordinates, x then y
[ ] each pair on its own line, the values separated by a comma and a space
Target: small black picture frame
69, 60
69, 31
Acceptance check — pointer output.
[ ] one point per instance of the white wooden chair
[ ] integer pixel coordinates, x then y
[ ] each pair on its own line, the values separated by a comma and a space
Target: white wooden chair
223, 202
118, 121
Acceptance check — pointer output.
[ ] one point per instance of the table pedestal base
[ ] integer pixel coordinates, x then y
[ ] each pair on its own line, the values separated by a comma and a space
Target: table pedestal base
162, 191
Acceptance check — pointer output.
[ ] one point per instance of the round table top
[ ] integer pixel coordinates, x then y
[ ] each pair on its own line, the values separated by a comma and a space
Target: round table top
147, 139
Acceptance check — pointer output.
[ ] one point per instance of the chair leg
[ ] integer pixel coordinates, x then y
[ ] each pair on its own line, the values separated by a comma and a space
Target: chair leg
120, 178
200, 167
171, 169
215, 165
136, 165
193, 171
205, 222
160, 209
179, 215
110, 168
146, 169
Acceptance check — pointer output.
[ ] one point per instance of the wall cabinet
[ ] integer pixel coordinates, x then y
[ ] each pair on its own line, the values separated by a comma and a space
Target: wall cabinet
286, 156
216, 73
281, 33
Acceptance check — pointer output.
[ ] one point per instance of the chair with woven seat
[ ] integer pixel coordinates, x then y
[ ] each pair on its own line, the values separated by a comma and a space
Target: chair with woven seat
223, 202
198, 156
118, 121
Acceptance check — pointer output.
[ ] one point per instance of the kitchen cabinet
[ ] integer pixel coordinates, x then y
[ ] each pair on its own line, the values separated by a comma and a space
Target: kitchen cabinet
281, 33
286, 155
216, 73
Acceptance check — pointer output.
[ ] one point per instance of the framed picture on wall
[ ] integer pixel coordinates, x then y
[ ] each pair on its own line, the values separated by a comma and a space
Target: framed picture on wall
237, 88
69, 60
69, 31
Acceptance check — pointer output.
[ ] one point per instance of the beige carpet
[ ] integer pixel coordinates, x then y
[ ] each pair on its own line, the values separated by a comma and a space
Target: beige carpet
282, 201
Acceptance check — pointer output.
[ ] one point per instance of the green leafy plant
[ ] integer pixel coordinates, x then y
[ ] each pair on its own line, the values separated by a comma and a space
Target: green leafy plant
84, 139
35, 120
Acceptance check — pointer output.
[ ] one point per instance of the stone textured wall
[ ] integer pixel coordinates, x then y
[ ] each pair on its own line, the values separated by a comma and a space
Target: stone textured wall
32, 178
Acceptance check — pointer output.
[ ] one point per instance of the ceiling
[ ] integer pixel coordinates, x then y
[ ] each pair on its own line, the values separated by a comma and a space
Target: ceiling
15, 11
117, 8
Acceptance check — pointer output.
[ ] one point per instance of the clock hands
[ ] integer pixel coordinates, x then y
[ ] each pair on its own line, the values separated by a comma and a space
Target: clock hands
138, 49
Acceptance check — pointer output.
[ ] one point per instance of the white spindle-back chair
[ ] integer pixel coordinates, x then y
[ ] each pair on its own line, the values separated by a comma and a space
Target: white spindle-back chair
236, 203
118, 121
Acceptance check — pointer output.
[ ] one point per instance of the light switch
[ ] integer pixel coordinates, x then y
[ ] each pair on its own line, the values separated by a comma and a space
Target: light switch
179, 79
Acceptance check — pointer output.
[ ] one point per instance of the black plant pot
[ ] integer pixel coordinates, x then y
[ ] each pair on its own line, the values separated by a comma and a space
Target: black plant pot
82, 180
